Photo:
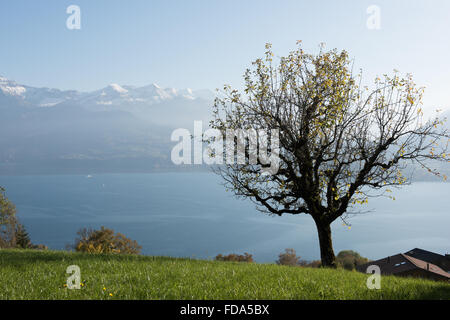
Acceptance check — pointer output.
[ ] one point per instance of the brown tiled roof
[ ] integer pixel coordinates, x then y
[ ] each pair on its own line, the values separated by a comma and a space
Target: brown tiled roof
425, 255
392, 264
401, 263
427, 266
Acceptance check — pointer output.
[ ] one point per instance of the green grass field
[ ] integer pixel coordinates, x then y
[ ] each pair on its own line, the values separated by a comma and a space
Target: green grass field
27, 274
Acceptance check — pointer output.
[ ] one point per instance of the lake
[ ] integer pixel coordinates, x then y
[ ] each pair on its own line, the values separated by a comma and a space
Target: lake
191, 215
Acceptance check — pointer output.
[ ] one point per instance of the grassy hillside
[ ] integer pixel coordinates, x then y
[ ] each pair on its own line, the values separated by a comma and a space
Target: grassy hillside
26, 274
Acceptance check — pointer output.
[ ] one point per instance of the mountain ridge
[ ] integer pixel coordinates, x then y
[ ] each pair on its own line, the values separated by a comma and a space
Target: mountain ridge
118, 128
113, 93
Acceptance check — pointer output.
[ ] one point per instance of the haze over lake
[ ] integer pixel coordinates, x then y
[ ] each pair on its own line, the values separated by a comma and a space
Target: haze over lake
191, 215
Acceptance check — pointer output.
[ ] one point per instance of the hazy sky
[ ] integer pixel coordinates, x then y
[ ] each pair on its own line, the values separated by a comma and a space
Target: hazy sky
204, 44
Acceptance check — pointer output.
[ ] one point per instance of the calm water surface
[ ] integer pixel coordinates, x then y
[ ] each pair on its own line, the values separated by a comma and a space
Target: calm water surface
190, 214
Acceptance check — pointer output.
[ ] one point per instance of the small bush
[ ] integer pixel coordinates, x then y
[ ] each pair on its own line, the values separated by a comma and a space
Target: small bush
235, 257
349, 259
38, 247
346, 259
105, 241
310, 264
314, 264
288, 258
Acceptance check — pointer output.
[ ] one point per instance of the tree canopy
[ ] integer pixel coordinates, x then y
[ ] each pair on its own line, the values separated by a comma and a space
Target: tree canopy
8, 221
340, 142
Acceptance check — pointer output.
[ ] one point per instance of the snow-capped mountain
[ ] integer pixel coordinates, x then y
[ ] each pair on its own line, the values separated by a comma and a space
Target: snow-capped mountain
39, 97
11, 88
114, 95
118, 128
129, 96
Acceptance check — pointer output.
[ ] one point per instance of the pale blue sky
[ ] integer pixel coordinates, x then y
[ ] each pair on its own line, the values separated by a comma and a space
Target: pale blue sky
206, 43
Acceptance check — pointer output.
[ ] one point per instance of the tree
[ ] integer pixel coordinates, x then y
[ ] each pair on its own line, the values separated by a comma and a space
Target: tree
8, 221
12, 232
105, 241
339, 142
289, 258
349, 259
22, 238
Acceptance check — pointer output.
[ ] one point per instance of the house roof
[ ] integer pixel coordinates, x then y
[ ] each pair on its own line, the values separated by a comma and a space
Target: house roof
425, 255
392, 264
427, 266
401, 263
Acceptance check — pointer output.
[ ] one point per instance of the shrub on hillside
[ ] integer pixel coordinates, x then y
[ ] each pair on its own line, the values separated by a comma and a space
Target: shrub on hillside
314, 264
39, 247
346, 259
310, 264
349, 259
105, 241
235, 257
288, 258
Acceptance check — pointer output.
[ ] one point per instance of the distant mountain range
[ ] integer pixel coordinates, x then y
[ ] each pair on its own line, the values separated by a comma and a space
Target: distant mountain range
118, 128
143, 101
114, 129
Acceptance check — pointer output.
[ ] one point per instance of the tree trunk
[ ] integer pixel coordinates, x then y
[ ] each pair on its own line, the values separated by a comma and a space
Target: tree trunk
326, 244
